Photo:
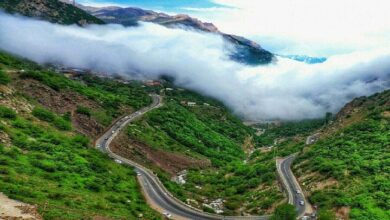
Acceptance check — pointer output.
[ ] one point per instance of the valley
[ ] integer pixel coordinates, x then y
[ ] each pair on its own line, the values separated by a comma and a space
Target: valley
86, 144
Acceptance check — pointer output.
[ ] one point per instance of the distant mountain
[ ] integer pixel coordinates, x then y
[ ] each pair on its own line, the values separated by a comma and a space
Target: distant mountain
50, 10
245, 51
306, 59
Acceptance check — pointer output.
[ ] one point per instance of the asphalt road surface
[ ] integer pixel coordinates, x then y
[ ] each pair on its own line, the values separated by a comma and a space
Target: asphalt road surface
157, 195
296, 196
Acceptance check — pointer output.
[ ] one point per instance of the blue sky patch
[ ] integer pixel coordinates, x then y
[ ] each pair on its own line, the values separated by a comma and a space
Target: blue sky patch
163, 5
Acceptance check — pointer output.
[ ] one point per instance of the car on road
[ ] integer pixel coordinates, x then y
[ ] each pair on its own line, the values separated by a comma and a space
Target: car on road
118, 161
138, 174
298, 191
167, 214
106, 138
301, 202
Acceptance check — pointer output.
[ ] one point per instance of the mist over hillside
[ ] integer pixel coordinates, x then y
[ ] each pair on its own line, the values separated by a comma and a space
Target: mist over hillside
285, 89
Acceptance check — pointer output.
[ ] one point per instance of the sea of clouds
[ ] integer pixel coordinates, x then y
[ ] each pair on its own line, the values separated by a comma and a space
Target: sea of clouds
285, 89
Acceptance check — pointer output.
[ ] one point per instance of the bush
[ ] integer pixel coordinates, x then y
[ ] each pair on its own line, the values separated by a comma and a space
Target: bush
93, 186
62, 124
48, 116
43, 114
326, 215
83, 110
208, 209
4, 78
285, 212
7, 113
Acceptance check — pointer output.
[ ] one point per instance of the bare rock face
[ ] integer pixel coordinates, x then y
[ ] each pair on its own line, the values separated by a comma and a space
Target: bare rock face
171, 162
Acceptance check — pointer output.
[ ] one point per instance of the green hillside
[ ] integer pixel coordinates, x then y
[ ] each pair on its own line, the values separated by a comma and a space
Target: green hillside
44, 159
347, 171
239, 173
50, 10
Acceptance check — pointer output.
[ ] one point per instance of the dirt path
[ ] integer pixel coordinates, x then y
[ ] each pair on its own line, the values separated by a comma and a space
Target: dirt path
14, 210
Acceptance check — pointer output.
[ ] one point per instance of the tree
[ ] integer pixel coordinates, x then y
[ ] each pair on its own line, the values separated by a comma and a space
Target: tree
285, 212
83, 110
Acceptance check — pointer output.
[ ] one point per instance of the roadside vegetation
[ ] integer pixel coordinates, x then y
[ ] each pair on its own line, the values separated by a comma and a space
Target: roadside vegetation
356, 160
284, 212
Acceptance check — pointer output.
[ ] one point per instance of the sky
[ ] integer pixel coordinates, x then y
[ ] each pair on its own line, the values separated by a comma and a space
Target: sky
285, 89
289, 27
174, 6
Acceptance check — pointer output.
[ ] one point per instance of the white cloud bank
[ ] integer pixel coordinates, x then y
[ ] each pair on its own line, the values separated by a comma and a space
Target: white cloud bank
283, 90
308, 27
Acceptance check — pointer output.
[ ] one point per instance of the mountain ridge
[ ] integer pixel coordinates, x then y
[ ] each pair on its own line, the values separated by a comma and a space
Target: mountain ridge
245, 51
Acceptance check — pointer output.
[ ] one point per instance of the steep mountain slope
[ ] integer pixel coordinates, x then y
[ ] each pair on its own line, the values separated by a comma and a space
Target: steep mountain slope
347, 171
245, 51
50, 10
44, 157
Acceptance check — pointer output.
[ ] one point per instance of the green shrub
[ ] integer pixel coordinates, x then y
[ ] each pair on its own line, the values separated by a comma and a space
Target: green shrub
83, 110
7, 113
4, 78
285, 212
43, 114
208, 209
326, 215
62, 124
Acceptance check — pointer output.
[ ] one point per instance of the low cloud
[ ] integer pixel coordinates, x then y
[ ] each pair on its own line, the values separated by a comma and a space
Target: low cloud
283, 90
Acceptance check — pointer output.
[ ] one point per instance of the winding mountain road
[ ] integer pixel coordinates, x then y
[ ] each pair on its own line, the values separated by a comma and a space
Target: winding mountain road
158, 196
294, 191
